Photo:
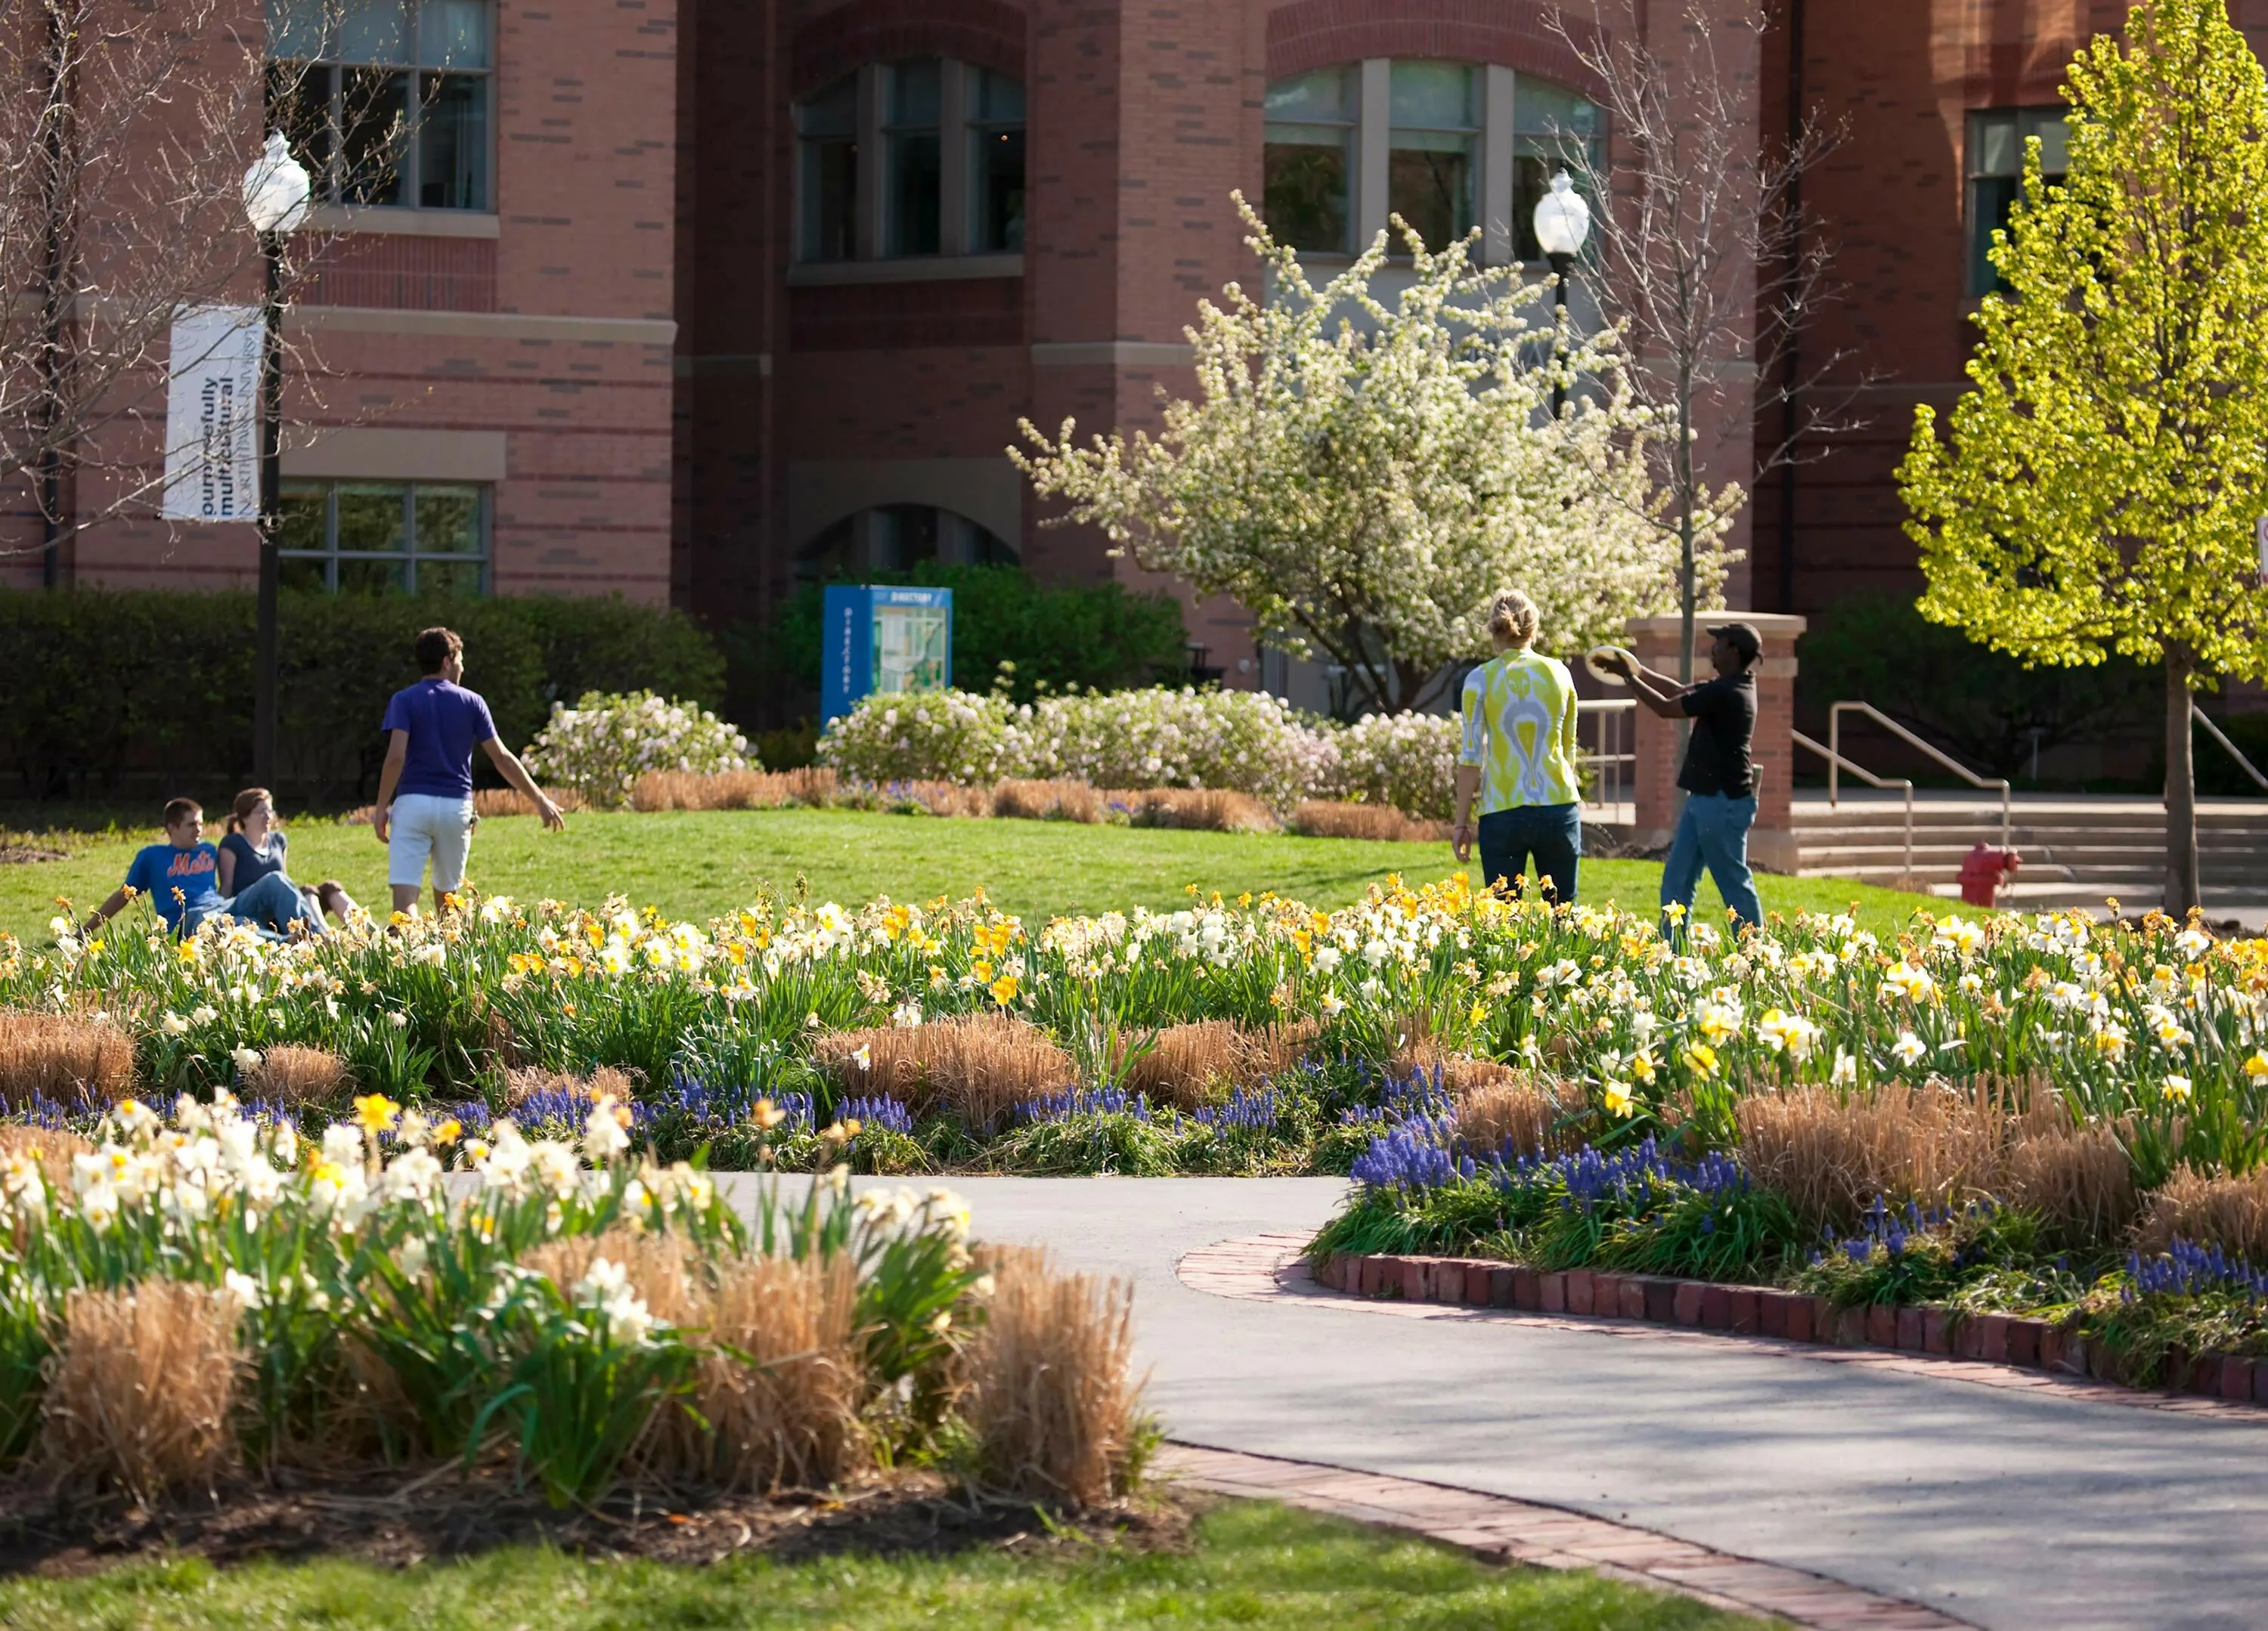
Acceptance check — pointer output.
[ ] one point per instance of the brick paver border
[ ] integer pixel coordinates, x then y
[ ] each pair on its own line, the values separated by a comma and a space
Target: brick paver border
1270, 1267
1502, 1530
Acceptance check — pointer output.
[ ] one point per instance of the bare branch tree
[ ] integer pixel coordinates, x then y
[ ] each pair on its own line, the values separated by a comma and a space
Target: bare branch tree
1706, 260
125, 130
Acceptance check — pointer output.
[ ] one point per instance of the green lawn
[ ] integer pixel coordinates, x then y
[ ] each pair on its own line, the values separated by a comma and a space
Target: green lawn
1254, 1565
698, 865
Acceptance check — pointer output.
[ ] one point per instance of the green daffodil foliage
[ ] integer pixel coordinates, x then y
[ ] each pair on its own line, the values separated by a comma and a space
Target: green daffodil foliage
2100, 490
1362, 473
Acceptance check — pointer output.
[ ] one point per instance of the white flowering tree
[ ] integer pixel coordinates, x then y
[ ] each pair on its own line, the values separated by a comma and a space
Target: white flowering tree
1363, 477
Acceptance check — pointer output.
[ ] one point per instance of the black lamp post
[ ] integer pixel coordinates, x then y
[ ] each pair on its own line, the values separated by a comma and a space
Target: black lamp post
1562, 221
275, 199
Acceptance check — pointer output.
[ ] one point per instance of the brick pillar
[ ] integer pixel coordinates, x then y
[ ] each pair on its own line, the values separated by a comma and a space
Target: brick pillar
1772, 846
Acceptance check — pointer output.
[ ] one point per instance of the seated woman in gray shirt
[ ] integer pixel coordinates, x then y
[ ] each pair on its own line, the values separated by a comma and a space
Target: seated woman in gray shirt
255, 846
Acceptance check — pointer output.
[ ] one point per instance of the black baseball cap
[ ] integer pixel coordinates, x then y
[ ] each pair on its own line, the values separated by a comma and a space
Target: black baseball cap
1744, 637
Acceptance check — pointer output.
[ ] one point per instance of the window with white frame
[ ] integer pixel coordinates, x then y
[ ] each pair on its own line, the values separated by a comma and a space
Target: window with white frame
1445, 145
912, 159
422, 538
386, 102
1997, 140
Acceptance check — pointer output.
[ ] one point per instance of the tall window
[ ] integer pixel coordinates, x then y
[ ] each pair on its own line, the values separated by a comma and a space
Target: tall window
1433, 149
948, 140
1309, 157
827, 126
913, 161
1996, 176
385, 101
996, 163
384, 536
1552, 129
1446, 146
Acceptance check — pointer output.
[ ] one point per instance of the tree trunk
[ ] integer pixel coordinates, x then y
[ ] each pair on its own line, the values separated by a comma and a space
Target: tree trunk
2182, 887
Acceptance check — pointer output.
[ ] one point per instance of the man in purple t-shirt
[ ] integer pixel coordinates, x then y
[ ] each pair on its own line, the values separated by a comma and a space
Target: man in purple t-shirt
425, 792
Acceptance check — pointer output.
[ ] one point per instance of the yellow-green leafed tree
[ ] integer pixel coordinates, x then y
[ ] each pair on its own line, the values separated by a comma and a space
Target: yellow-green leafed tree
2104, 474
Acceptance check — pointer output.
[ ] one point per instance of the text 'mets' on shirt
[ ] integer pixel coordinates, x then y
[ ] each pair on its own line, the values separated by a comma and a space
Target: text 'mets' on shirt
162, 872
1724, 714
445, 723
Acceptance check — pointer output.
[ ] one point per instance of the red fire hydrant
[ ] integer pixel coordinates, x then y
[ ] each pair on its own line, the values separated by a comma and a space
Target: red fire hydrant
1984, 869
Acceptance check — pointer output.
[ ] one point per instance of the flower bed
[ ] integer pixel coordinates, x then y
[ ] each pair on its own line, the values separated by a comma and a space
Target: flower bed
2041, 1116
193, 1298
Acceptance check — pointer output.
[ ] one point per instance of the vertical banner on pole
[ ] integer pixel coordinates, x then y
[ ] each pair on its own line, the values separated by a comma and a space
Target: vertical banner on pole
212, 416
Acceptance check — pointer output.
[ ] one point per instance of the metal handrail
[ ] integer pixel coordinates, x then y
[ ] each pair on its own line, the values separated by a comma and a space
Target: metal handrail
1601, 706
1835, 759
2242, 763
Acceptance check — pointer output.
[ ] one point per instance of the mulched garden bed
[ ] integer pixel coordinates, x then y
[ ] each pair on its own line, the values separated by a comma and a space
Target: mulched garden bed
398, 1518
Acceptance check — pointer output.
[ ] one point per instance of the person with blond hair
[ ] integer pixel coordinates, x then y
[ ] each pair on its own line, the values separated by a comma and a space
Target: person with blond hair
1519, 759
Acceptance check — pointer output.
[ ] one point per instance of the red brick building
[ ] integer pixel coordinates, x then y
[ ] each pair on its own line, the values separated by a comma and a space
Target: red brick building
681, 299
482, 348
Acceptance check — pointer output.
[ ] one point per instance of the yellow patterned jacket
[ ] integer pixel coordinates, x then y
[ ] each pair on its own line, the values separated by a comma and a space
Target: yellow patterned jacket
1519, 731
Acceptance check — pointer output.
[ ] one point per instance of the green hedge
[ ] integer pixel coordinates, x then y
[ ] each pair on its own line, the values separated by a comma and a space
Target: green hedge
100, 685
1060, 637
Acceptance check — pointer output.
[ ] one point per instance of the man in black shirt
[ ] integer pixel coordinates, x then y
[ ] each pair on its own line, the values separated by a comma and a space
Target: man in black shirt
1719, 782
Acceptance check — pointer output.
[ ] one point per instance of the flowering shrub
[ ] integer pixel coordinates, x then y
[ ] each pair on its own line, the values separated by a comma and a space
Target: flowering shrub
601, 745
1238, 741
921, 736
1407, 761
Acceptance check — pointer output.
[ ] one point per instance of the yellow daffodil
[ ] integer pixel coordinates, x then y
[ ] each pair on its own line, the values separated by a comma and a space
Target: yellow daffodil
376, 1113
1619, 1099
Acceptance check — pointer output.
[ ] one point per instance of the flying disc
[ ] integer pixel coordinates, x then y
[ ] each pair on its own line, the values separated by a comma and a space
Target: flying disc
1591, 661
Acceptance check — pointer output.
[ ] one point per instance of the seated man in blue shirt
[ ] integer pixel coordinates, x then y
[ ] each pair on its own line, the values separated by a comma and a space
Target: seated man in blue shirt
424, 807
178, 876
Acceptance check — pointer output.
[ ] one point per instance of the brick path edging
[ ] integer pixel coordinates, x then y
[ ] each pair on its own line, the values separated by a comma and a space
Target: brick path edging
1760, 1310
1503, 1530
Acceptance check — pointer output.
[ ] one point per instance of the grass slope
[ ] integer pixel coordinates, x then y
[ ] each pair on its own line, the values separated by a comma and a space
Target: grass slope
1254, 1565
697, 864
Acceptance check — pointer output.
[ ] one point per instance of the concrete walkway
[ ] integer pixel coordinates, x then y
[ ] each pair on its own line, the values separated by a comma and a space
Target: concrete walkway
2003, 1507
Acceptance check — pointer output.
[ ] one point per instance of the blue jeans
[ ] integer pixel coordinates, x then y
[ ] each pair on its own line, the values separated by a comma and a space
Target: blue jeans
1713, 832
271, 905
1553, 834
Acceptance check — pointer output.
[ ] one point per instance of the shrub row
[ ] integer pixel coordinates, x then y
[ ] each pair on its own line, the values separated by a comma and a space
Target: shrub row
100, 684
1232, 741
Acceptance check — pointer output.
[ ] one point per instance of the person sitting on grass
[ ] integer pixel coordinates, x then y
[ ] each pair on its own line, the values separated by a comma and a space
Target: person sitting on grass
424, 807
179, 877
254, 849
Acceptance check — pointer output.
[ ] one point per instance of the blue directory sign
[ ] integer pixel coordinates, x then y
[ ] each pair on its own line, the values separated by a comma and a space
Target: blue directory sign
883, 637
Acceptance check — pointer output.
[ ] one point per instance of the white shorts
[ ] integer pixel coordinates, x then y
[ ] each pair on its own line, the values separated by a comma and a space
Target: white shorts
425, 824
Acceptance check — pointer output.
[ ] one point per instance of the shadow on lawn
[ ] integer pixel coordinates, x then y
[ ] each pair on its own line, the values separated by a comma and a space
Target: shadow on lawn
399, 1518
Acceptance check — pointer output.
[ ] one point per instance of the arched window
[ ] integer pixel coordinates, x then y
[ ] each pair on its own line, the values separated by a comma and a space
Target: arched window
1445, 145
945, 142
893, 537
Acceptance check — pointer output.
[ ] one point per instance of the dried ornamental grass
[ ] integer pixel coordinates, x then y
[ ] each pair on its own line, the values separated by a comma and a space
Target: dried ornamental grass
1053, 1400
1515, 1113
1196, 809
1184, 1063
299, 1076
1284, 1046
59, 1057
783, 1386
2081, 1179
1050, 801
979, 1066
142, 1388
1831, 1157
724, 789
1325, 818
532, 1081
2231, 1212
